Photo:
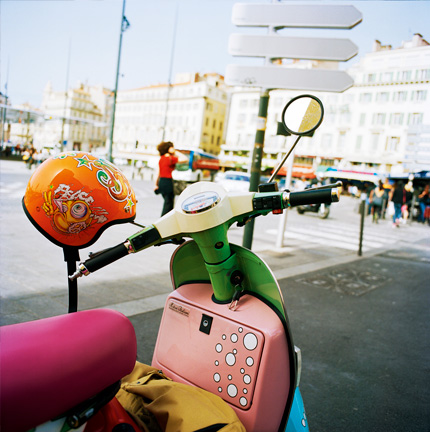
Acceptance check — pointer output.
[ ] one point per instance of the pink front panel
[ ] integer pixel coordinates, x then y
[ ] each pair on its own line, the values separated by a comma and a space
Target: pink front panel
240, 355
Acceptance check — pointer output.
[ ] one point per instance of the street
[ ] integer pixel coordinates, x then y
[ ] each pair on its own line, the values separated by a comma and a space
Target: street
309, 243
361, 323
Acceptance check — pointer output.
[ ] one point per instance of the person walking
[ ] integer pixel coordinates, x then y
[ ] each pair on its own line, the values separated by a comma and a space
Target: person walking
424, 201
406, 207
376, 198
169, 157
397, 196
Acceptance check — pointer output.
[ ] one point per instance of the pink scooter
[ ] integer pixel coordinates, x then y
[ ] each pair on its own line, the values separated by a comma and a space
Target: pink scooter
224, 328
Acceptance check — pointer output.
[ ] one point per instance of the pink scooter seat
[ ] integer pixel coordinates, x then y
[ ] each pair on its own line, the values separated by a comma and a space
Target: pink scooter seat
51, 365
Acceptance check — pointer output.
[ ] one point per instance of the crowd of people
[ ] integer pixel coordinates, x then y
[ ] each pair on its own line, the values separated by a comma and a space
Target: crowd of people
399, 201
28, 153
395, 200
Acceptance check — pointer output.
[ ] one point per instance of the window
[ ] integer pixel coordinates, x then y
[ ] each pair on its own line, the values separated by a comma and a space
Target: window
341, 140
378, 119
214, 124
326, 141
396, 119
419, 95
387, 76
371, 78
362, 119
382, 96
375, 141
415, 119
422, 74
358, 143
405, 75
366, 97
400, 96
241, 118
243, 103
392, 144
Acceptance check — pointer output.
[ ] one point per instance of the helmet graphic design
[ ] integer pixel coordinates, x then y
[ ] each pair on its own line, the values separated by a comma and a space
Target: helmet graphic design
73, 197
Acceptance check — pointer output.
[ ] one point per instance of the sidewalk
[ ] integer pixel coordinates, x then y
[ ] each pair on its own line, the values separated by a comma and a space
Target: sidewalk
361, 322
32, 289
137, 294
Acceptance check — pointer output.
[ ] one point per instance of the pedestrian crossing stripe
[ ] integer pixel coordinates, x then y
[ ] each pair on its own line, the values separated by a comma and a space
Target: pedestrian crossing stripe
342, 242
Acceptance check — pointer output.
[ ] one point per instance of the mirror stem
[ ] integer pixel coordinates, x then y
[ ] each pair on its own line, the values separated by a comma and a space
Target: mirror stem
283, 160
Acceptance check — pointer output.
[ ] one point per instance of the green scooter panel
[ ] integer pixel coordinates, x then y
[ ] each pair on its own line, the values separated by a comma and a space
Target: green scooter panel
188, 266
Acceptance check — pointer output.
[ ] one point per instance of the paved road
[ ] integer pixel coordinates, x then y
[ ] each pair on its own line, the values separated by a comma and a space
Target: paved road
311, 243
362, 323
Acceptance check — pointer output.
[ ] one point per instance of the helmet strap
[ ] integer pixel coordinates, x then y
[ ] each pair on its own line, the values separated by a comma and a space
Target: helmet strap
71, 256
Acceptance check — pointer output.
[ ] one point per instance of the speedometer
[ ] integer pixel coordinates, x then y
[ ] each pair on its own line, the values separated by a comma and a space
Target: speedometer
200, 202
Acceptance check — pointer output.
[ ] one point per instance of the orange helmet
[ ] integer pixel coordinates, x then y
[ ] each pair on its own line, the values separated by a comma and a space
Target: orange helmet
73, 197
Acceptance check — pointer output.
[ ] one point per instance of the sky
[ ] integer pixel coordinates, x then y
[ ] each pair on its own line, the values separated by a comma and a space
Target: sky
71, 41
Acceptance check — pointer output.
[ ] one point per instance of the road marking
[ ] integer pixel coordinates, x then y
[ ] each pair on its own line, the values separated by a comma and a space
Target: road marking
136, 307
320, 238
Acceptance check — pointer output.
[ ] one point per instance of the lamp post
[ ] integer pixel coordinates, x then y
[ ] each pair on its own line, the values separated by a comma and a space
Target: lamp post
4, 109
124, 26
66, 95
169, 84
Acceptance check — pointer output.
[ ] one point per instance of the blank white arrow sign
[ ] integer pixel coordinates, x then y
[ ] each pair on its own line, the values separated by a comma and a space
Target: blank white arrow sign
276, 46
272, 77
281, 15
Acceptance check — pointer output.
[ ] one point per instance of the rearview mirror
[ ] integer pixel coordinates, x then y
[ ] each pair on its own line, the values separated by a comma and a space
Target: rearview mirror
302, 115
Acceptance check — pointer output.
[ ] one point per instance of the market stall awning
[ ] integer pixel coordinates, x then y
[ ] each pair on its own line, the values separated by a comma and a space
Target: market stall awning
299, 171
364, 176
420, 175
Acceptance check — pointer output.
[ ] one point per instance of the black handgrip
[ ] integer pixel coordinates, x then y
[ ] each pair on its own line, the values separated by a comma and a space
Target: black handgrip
310, 196
108, 256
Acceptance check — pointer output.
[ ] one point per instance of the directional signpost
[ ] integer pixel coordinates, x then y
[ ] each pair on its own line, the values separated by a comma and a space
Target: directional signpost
330, 49
276, 16
292, 79
282, 15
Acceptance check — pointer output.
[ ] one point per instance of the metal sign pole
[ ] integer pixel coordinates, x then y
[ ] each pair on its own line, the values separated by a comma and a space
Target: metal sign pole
283, 220
123, 28
257, 157
276, 16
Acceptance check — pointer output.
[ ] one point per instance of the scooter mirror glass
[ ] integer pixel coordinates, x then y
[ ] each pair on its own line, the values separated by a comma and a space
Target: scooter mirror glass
302, 115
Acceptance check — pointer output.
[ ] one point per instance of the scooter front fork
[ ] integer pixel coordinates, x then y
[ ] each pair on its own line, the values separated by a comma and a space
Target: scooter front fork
297, 422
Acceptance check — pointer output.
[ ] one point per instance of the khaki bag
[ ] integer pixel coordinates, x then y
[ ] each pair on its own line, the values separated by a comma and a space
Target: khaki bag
159, 404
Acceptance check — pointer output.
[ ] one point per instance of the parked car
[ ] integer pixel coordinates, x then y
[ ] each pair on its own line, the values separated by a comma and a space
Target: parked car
233, 181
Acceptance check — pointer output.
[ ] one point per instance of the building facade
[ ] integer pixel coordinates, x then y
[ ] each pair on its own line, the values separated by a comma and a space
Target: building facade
74, 120
380, 125
190, 112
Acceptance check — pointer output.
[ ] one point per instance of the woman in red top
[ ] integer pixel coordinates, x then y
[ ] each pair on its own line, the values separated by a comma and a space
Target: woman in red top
169, 157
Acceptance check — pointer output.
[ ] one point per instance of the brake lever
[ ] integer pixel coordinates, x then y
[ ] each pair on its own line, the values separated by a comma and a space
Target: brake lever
94, 254
171, 241
328, 186
245, 220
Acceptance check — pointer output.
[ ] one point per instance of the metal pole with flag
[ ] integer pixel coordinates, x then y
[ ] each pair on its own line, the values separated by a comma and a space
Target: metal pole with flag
124, 26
